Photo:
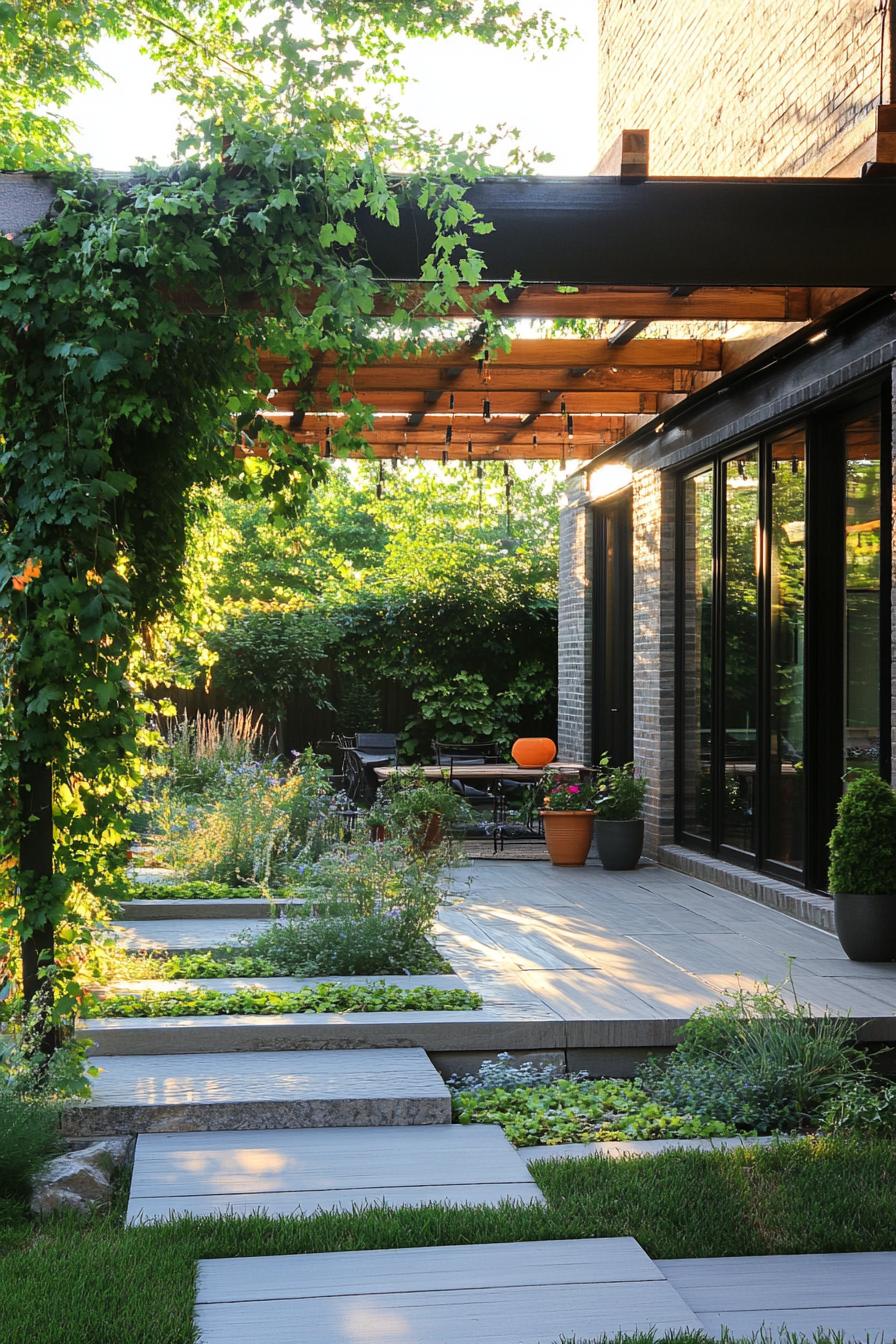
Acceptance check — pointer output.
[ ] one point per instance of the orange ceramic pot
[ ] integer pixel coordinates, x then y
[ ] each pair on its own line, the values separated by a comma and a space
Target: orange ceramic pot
531, 753
568, 836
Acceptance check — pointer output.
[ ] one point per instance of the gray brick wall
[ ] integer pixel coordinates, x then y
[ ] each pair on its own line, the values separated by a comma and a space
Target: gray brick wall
574, 670
653, 724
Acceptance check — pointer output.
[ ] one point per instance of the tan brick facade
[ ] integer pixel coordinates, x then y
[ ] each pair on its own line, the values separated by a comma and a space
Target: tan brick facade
730, 87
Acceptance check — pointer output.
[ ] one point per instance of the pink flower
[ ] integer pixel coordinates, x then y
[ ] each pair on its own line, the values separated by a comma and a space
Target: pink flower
573, 788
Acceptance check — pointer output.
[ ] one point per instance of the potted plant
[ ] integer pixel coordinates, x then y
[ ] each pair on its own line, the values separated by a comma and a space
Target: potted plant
568, 819
862, 871
619, 826
421, 809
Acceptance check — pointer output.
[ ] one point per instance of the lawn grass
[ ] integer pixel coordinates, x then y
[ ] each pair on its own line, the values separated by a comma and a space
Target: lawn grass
105, 1284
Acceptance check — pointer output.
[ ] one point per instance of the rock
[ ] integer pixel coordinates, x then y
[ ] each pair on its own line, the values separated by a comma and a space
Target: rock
108, 1154
80, 1180
69, 1182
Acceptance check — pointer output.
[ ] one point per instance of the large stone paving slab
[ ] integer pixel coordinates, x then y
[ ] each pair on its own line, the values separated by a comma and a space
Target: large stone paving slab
509, 1293
287, 1172
184, 935
854, 1294
271, 1090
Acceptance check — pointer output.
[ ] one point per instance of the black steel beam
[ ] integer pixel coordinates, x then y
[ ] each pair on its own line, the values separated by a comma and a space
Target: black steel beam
826, 232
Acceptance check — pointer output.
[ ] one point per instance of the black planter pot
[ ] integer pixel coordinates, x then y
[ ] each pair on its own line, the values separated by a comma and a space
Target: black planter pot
866, 926
619, 843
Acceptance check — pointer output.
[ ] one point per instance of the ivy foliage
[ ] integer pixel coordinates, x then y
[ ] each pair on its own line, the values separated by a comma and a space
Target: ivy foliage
131, 318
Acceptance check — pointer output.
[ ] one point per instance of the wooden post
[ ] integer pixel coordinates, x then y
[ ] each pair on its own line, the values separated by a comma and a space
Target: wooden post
627, 158
36, 864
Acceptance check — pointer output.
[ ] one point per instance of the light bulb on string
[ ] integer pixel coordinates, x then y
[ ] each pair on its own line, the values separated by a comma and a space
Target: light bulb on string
486, 409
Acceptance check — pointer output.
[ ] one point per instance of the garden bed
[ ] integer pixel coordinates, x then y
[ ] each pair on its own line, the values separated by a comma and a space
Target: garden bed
254, 1000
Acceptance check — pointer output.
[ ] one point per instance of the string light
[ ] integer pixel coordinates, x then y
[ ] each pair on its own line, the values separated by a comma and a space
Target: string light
486, 409
469, 452
381, 477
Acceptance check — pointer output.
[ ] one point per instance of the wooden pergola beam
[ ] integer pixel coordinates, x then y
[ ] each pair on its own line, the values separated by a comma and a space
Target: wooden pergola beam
532, 353
520, 403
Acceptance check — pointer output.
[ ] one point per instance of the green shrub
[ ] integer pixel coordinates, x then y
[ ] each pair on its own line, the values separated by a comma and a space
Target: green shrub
408, 801
260, 824
785, 1063
29, 1134
255, 1001
363, 879
863, 842
379, 943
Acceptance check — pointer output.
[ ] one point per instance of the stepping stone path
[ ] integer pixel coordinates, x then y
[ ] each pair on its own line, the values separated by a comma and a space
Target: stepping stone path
565, 962
508, 1293
274, 1089
306, 1171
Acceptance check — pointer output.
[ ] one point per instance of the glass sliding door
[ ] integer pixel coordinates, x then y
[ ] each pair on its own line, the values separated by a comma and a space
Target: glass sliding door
786, 803
740, 647
696, 634
862, 670
784, 642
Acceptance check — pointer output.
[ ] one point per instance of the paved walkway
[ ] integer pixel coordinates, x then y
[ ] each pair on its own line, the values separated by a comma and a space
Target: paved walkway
644, 947
538, 1292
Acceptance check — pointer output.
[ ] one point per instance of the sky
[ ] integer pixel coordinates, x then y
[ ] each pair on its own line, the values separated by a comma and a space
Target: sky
458, 85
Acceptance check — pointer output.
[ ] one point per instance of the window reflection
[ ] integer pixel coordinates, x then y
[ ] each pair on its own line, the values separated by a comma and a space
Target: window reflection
741, 632
863, 574
697, 505
787, 578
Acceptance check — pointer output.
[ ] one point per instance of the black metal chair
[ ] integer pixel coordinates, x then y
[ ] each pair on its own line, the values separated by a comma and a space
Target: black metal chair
361, 755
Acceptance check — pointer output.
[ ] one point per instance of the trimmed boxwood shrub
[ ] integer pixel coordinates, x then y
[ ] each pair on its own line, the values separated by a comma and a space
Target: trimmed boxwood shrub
863, 842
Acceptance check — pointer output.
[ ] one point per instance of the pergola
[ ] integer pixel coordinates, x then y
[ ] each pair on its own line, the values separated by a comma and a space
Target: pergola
779, 254
783, 253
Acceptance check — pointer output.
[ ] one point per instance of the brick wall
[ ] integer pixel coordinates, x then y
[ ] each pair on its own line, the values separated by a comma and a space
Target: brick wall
574, 673
653, 724
741, 86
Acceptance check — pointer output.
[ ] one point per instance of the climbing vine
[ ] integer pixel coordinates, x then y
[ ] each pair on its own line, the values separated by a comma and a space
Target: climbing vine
131, 317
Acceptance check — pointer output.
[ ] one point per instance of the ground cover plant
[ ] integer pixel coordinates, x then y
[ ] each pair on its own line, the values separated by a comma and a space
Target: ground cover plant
101, 1283
195, 891
255, 1001
539, 1105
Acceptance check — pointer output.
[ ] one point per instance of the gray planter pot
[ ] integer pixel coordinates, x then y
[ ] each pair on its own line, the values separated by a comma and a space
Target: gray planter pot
866, 926
619, 843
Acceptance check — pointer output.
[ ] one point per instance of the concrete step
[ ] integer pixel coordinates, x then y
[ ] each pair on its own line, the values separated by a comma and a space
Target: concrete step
185, 935
306, 1171
234, 907
285, 1089
507, 1293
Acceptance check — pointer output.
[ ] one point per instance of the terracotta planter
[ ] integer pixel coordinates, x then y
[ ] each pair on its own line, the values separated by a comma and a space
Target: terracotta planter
866, 926
568, 836
377, 833
431, 833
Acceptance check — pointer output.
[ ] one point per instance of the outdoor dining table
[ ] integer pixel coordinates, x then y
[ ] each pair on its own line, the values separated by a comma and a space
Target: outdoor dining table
491, 778
492, 773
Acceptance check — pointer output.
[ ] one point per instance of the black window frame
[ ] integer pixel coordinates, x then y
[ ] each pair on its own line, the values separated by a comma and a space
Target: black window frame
824, 423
